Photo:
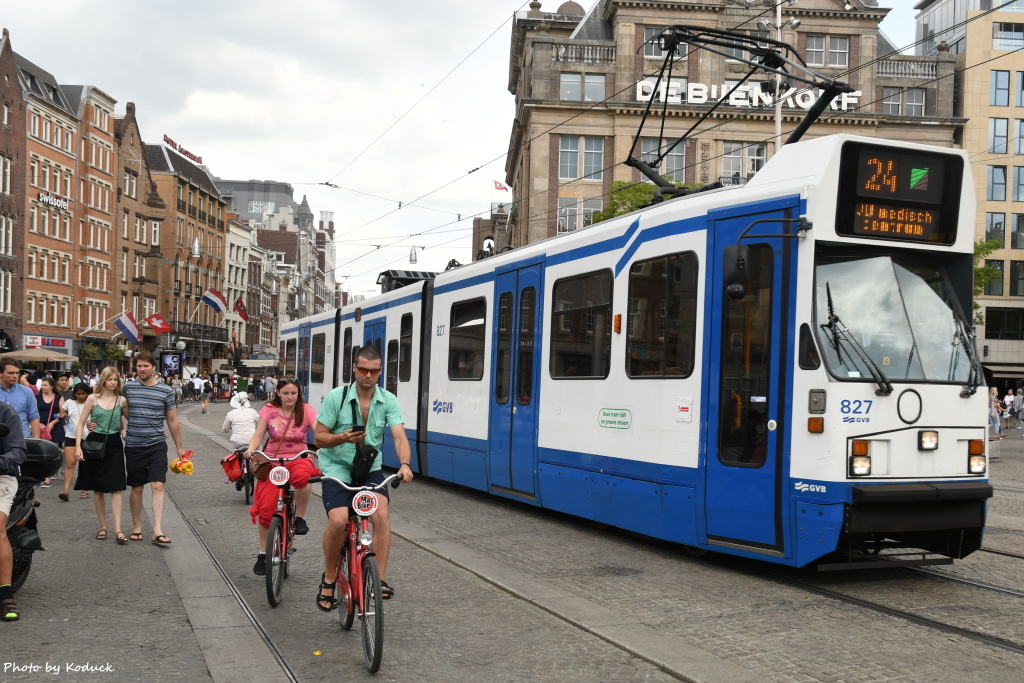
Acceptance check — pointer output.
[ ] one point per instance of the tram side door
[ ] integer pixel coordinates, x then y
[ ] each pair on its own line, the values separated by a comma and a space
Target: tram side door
373, 335
302, 359
513, 401
746, 395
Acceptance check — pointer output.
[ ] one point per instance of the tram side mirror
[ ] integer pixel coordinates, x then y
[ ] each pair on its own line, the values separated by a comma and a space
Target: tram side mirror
736, 258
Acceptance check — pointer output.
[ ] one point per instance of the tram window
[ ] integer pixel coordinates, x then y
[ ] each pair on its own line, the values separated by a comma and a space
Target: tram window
662, 317
289, 358
504, 358
746, 367
809, 358
405, 349
346, 362
317, 356
524, 364
391, 381
581, 330
466, 339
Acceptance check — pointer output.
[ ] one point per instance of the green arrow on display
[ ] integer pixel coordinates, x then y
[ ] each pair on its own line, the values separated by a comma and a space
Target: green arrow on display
919, 175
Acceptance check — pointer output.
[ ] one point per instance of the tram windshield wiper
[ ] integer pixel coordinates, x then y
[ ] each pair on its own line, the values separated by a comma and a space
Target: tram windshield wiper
841, 333
962, 338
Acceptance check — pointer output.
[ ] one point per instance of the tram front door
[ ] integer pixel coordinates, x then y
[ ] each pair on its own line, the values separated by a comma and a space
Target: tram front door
373, 335
747, 424
513, 403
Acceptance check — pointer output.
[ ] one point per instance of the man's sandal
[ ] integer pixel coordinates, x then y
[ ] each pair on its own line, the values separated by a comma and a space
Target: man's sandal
9, 610
386, 591
321, 599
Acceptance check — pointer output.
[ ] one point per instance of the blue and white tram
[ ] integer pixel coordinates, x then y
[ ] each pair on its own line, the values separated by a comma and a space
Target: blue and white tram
780, 370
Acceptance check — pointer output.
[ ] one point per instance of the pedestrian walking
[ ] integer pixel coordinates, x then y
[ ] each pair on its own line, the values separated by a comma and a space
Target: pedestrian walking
1008, 410
104, 474
12, 454
204, 397
269, 385
995, 409
71, 412
176, 385
19, 397
49, 404
151, 404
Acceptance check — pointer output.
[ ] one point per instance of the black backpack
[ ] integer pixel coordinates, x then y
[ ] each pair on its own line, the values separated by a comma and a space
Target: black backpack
207, 387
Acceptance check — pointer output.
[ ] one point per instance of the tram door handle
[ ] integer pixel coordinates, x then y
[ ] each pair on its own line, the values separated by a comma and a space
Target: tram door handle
513, 410
772, 425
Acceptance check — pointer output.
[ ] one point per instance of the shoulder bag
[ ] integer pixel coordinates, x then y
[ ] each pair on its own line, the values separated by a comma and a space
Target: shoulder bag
44, 431
262, 471
96, 450
366, 454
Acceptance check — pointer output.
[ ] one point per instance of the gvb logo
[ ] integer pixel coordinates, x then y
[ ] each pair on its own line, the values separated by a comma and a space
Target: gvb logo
804, 487
443, 406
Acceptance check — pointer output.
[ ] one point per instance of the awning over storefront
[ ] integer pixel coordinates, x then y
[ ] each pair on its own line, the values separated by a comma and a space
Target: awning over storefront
249, 363
1006, 371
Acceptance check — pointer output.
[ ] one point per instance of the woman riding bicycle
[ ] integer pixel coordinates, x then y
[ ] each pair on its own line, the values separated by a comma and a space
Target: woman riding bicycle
288, 420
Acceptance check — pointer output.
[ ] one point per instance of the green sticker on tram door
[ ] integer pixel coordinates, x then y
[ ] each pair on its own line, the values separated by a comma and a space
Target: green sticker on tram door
919, 179
614, 418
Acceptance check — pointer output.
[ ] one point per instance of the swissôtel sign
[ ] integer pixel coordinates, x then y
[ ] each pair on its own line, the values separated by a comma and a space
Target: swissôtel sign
679, 91
54, 201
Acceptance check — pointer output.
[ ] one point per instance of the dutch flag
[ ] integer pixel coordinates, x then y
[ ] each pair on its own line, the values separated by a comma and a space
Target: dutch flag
129, 328
216, 300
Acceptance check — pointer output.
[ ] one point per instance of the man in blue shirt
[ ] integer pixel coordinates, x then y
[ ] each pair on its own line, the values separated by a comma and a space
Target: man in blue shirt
19, 397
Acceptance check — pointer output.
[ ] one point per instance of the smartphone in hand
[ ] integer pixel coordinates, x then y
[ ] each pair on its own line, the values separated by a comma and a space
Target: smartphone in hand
358, 428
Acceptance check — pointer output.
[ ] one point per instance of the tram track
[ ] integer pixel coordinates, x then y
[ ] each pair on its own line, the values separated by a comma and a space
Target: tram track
265, 636
927, 622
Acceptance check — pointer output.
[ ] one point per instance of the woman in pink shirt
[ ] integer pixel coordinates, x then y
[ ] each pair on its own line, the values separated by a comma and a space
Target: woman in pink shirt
288, 420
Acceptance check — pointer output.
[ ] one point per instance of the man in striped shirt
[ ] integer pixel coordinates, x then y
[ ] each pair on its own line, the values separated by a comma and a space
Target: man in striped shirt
150, 404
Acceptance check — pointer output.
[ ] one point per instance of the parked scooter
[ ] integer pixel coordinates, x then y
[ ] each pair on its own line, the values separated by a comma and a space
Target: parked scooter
44, 459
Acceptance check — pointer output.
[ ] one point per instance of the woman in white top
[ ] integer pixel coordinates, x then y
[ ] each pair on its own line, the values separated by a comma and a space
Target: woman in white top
241, 422
71, 411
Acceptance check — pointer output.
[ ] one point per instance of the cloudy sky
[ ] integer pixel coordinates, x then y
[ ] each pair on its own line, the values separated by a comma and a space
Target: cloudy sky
295, 91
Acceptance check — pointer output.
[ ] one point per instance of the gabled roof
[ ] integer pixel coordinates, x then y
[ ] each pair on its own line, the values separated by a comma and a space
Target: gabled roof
42, 84
163, 159
75, 96
594, 26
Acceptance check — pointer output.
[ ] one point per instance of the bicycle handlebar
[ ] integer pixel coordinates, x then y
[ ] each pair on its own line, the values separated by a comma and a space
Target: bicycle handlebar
303, 454
395, 479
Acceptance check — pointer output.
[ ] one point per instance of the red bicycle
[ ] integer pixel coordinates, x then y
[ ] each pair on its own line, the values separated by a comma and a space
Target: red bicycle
281, 534
358, 583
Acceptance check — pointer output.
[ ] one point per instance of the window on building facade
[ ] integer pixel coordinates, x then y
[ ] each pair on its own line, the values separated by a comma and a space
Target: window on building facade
999, 88
915, 102
837, 54
1016, 278
1007, 36
1017, 231
673, 165
569, 87
742, 159
1004, 323
567, 214
997, 135
996, 184
568, 157
652, 50
994, 227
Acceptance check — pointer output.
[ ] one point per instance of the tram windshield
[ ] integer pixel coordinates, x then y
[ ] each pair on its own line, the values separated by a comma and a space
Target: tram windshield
896, 313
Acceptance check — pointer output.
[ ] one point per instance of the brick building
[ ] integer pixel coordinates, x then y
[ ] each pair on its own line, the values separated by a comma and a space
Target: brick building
12, 199
193, 251
583, 79
53, 207
140, 234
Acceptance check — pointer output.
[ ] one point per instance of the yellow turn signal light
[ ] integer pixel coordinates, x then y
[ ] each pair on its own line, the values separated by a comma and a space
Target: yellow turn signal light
816, 425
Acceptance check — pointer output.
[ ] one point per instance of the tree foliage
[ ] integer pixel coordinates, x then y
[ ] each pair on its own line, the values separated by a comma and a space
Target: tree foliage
115, 353
626, 197
89, 352
983, 274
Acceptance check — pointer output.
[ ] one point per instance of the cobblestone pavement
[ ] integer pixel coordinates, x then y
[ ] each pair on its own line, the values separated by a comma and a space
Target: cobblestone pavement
96, 601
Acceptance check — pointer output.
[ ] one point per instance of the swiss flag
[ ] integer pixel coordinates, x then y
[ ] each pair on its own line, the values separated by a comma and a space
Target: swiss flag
159, 324
239, 308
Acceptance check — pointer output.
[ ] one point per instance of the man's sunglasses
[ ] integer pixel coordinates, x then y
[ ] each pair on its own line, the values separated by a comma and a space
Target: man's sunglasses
367, 371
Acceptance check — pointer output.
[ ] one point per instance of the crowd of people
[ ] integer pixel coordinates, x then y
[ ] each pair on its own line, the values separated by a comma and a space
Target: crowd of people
1004, 414
111, 427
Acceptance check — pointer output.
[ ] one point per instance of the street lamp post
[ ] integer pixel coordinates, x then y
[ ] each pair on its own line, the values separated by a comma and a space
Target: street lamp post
778, 25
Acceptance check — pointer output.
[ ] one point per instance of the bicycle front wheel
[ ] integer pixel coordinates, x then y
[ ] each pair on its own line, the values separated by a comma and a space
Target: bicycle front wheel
346, 605
372, 616
275, 561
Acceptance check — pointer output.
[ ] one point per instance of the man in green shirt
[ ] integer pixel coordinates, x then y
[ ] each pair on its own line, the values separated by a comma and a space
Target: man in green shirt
337, 442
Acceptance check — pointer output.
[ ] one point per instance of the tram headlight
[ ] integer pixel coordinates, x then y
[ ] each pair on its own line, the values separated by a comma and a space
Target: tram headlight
976, 464
860, 465
927, 440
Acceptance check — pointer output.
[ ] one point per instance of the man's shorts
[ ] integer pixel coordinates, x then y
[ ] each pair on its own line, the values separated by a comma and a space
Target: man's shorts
336, 497
8, 489
146, 464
